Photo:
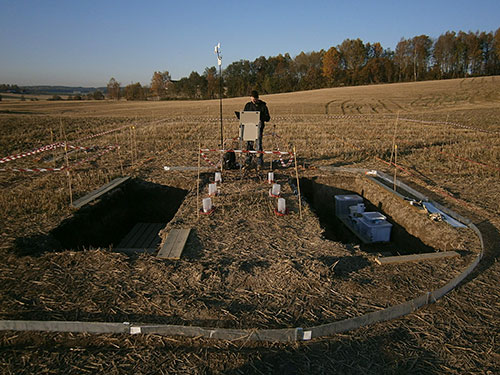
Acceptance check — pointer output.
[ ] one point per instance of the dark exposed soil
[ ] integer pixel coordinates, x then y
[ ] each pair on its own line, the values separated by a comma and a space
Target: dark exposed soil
105, 223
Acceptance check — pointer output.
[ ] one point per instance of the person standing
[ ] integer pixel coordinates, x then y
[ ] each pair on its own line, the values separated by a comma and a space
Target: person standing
255, 104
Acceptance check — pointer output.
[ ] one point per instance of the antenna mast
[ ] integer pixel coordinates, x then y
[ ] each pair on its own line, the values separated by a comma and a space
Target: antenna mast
219, 62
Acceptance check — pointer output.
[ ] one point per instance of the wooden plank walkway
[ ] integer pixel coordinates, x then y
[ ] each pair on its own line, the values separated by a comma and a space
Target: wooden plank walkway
415, 257
93, 195
143, 238
174, 244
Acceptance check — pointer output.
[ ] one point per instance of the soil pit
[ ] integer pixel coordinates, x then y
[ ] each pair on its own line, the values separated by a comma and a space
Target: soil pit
401, 241
137, 209
412, 230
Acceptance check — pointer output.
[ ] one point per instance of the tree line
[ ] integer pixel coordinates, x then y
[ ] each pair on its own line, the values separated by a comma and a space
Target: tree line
353, 62
10, 88
451, 55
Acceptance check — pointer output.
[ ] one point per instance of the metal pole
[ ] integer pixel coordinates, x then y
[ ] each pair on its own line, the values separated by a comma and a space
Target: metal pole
219, 62
220, 100
221, 127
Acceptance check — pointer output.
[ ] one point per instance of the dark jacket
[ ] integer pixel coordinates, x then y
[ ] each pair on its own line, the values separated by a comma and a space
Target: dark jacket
261, 107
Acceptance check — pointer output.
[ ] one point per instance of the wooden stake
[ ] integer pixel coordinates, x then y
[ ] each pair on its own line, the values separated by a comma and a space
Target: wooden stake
54, 153
395, 164
131, 147
394, 138
136, 156
272, 157
198, 184
298, 183
119, 154
63, 133
135, 144
155, 137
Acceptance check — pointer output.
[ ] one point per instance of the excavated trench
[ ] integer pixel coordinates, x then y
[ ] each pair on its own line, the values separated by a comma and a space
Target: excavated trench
321, 198
106, 223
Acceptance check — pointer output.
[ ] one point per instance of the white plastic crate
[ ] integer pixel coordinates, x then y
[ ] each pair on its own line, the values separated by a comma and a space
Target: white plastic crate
343, 202
374, 227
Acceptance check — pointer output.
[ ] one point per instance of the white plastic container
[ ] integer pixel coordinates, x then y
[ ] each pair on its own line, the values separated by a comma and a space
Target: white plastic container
281, 205
270, 177
212, 189
276, 190
207, 205
343, 202
218, 177
374, 227
357, 210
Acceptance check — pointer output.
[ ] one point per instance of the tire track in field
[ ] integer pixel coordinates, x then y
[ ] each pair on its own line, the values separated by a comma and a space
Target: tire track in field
384, 106
355, 108
398, 105
373, 107
342, 106
327, 105
414, 102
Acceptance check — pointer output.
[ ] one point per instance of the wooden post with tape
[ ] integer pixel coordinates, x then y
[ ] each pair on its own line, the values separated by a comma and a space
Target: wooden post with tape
66, 159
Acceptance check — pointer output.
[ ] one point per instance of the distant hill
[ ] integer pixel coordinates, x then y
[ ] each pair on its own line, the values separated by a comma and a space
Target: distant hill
64, 90
49, 90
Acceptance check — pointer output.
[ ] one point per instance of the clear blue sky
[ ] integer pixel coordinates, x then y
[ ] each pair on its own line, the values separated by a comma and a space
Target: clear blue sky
86, 42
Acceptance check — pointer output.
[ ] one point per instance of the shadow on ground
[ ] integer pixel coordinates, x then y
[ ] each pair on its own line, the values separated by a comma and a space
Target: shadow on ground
105, 222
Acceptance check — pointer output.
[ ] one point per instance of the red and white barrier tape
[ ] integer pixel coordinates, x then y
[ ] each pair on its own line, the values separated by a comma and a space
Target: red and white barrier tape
102, 133
52, 146
93, 157
32, 169
59, 144
396, 165
450, 123
286, 118
208, 160
280, 153
470, 161
32, 152
286, 164
248, 151
83, 148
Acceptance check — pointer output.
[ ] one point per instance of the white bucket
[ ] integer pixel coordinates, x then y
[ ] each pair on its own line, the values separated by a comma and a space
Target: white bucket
270, 177
281, 205
207, 204
276, 189
212, 189
218, 177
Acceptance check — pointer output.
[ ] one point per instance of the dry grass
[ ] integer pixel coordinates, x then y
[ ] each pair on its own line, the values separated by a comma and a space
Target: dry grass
344, 126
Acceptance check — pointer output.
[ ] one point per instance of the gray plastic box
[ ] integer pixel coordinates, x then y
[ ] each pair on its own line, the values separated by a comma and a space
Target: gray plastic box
374, 227
343, 202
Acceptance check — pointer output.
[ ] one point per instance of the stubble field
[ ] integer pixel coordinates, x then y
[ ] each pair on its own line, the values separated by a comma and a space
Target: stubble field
247, 268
